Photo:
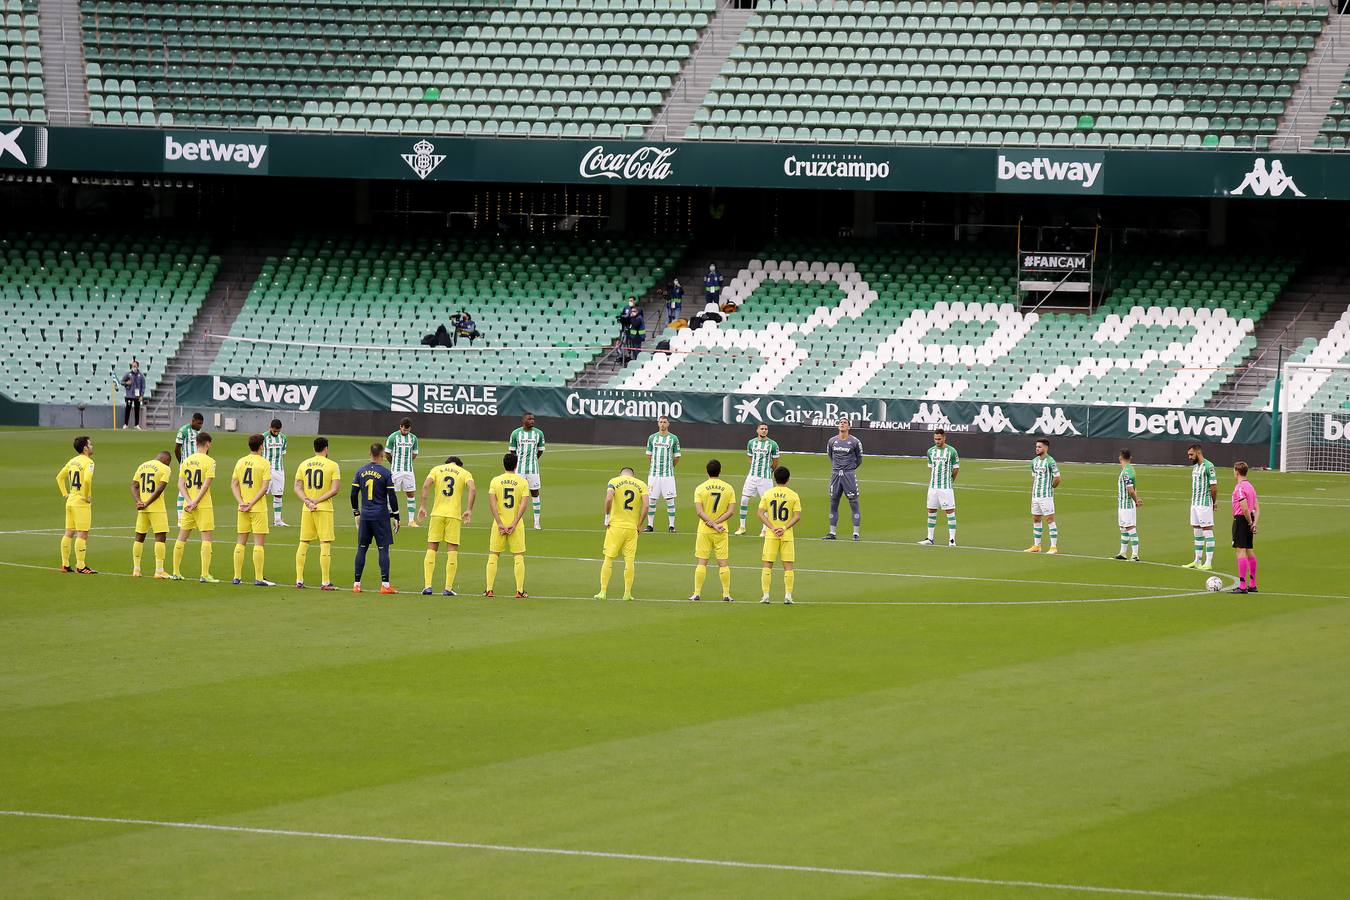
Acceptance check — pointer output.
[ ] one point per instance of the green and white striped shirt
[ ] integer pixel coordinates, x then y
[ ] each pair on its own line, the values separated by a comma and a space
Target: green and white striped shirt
1203, 477
1043, 472
762, 453
187, 438
274, 450
941, 462
662, 451
402, 448
1123, 485
528, 445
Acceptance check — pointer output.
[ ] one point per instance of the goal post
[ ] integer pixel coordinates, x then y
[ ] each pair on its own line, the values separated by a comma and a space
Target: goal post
1314, 413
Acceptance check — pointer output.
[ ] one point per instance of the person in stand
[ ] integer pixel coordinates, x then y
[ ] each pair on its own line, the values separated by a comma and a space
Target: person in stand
712, 286
467, 328
674, 301
637, 329
133, 387
625, 320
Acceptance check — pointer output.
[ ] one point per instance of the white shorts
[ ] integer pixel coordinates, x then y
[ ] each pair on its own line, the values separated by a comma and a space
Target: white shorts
405, 481
756, 486
1202, 517
661, 487
532, 481
1042, 506
1125, 518
278, 484
941, 498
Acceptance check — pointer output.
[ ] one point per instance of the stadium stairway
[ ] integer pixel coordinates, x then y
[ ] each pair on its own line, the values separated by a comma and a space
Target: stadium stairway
1322, 79
686, 96
63, 62
240, 265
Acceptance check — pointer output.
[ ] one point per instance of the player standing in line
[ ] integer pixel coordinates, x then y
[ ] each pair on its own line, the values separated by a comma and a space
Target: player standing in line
715, 502
1044, 480
274, 449
943, 466
1245, 512
400, 451
1127, 503
846, 454
249, 483
527, 443
195, 477
147, 492
763, 453
317, 481
184, 445
451, 481
506, 501
1204, 500
75, 481
663, 455
779, 509
625, 498
375, 504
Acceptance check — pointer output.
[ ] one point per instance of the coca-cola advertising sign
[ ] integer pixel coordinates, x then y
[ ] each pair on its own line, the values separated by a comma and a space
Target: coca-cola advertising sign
641, 164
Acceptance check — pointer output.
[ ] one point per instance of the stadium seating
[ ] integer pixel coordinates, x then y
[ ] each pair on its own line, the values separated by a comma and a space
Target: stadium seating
543, 67
1336, 125
79, 309
535, 302
1160, 74
1311, 389
21, 97
942, 323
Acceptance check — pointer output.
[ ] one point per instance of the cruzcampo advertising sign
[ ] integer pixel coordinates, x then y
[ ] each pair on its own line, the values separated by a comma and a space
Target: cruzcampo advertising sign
866, 413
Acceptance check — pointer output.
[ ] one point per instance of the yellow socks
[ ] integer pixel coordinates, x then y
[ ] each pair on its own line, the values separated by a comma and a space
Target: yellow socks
428, 568
65, 552
765, 580
520, 573
491, 570
301, 554
80, 546
629, 573
451, 569
606, 570
700, 573
258, 556
160, 547
789, 580
206, 559
239, 561
178, 548
137, 548
326, 562
724, 573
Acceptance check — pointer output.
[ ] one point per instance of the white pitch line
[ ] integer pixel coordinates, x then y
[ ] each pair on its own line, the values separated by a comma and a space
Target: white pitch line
628, 857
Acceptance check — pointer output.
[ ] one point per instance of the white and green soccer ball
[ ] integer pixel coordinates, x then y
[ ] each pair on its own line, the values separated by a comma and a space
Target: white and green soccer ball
1213, 583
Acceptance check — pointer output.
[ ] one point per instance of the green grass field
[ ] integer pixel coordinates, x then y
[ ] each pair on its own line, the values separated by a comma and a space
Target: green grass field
925, 722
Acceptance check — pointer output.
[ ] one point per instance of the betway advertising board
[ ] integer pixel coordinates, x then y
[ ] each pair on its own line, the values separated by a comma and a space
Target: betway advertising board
417, 158
875, 414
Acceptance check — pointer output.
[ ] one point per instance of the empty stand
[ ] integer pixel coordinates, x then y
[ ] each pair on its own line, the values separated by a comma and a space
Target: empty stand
82, 307
1311, 389
21, 91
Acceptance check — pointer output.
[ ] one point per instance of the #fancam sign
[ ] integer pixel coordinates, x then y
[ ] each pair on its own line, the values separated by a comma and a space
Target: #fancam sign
641, 164
1040, 261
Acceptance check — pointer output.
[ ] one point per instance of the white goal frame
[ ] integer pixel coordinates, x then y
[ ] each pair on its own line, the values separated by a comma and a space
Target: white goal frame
1300, 450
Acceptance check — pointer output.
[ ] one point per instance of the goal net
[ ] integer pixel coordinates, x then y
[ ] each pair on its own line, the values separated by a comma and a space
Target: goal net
1315, 418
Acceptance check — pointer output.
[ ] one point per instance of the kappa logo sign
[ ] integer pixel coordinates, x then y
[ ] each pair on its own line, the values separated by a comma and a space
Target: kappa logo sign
231, 156
261, 392
1049, 174
424, 159
443, 399
1263, 183
1053, 423
642, 164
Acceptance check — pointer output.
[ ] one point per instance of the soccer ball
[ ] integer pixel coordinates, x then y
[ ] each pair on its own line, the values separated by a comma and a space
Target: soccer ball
1213, 583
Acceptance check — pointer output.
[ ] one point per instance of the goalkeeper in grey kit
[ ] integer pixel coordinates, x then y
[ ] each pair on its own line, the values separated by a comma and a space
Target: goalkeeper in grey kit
845, 452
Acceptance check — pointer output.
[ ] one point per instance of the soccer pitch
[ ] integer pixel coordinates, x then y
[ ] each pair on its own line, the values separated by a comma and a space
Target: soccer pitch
925, 722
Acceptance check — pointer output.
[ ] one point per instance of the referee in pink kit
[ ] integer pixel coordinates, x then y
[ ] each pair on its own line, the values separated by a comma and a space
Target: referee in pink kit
1245, 513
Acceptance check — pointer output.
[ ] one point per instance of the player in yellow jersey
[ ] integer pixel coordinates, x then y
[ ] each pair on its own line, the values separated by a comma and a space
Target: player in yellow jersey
75, 481
714, 501
779, 509
250, 482
452, 484
195, 477
506, 496
147, 492
625, 504
317, 481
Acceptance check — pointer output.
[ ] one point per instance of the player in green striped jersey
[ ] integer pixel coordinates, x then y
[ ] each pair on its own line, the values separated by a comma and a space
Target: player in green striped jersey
1127, 501
400, 449
943, 466
528, 444
663, 455
184, 445
1044, 480
1204, 497
763, 453
274, 451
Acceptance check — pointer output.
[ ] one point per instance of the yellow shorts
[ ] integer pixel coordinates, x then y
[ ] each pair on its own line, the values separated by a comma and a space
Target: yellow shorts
79, 517
621, 542
255, 520
784, 548
515, 541
198, 520
316, 525
443, 528
711, 546
150, 521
